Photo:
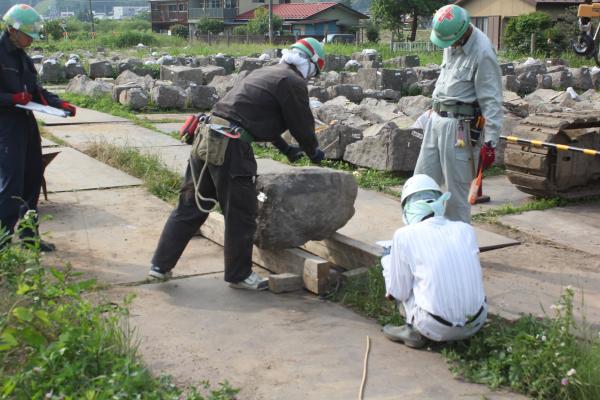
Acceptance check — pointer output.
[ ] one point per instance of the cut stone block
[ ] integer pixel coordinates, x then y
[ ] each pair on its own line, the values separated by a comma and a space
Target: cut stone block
286, 282
335, 138
181, 75
168, 97
52, 71
391, 146
368, 78
301, 204
414, 106
101, 69
202, 97
135, 98
210, 71
353, 93
83, 85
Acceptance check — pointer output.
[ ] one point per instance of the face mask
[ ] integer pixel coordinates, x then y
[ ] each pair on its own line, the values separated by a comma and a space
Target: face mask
298, 59
416, 209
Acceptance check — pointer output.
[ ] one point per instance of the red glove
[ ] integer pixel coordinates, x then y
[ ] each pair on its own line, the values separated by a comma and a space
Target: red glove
487, 155
68, 107
21, 98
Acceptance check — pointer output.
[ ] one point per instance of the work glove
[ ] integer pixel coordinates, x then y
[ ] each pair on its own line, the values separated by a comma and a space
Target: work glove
317, 157
487, 155
293, 153
21, 98
68, 107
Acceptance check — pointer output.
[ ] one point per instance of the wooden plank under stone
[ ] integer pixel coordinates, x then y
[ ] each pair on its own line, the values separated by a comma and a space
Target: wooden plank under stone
313, 269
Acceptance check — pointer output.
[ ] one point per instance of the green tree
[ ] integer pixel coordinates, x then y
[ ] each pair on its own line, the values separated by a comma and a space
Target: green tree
180, 30
260, 23
211, 25
392, 14
240, 30
53, 29
372, 32
518, 31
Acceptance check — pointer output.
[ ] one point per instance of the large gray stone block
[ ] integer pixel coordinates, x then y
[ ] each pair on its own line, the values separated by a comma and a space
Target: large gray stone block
319, 92
368, 78
225, 83
398, 79
202, 97
135, 99
101, 69
118, 89
561, 79
182, 75
424, 88
527, 82
427, 73
536, 68
168, 97
377, 111
52, 71
414, 106
301, 204
354, 93
365, 56
507, 68
210, 71
250, 64
334, 139
544, 81
334, 62
391, 146
83, 85
510, 83
582, 78
225, 62
405, 61
341, 113
73, 68
387, 94
131, 64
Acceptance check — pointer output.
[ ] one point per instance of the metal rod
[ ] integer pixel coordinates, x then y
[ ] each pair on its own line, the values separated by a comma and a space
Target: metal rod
561, 147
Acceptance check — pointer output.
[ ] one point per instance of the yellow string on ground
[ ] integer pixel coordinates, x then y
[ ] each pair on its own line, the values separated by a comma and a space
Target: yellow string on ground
361, 391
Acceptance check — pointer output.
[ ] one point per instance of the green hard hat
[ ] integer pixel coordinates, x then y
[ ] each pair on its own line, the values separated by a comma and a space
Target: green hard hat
449, 24
313, 49
25, 19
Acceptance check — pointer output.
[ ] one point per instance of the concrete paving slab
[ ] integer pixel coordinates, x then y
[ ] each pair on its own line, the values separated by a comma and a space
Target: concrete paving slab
168, 127
576, 227
111, 235
274, 347
48, 143
165, 116
173, 157
84, 116
378, 216
118, 134
72, 170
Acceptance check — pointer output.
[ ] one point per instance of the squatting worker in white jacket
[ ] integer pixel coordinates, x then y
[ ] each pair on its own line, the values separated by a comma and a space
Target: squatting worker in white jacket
433, 270
469, 86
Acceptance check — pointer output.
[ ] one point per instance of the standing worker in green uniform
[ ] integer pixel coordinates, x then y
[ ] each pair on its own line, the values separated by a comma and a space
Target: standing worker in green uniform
20, 142
467, 109
260, 108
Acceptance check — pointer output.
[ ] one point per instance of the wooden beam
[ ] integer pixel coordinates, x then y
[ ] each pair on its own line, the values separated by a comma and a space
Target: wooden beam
313, 269
345, 252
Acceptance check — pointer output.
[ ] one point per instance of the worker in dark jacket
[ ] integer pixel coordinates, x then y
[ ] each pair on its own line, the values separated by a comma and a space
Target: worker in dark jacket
260, 108
20, 142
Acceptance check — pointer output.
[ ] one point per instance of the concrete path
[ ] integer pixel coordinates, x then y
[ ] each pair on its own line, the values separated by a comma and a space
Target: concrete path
84, 116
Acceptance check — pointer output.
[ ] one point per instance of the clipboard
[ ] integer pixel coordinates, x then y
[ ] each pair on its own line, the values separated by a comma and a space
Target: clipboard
37, 107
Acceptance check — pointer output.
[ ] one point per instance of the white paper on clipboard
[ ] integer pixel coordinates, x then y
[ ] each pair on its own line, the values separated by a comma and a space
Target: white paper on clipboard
33, 106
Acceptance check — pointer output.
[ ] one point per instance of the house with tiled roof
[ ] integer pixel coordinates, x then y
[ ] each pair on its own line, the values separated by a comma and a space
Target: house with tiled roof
491, 16
316, 19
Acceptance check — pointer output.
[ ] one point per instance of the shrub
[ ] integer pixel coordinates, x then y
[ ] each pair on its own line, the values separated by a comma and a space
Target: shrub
129, 39
52, 29
372, 32
518, 31
180, 30
211, 25
240, 30
260, 23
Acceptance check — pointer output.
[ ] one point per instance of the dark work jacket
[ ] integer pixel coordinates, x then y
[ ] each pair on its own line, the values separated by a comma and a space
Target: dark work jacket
17, 73
269, 101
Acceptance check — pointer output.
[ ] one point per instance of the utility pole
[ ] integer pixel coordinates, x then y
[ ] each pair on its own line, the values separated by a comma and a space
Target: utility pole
270, 21
92, 19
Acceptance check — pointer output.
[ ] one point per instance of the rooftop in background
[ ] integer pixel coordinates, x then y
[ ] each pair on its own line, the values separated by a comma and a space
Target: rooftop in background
534, 2
299, 11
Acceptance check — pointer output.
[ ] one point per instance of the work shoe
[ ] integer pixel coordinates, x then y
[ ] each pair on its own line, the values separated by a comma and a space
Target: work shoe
253, 282
156, 272
405, 334
45, 247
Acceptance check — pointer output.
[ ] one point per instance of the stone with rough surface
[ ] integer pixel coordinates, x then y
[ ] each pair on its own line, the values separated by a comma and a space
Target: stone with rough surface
52, 71
302, 204
101, 69
353, 93
414, 106
424, 88
82, 84
391, 146
182, 75
226, 62
398, 79
135, 98
334, 62
168, 97
387, 94
202, 97
561, 79
368, 78
582, 78
73, 68
211, 71
250, 64
335, 138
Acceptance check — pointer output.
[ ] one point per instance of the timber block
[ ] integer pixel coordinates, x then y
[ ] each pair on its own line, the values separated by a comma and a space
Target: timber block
286, 282
354, 275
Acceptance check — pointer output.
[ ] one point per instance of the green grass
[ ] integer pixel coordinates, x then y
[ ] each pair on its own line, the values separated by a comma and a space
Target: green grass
157, 178
531, 355
56, 344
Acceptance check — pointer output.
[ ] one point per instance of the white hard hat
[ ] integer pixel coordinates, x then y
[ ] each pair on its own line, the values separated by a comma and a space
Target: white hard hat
418, 183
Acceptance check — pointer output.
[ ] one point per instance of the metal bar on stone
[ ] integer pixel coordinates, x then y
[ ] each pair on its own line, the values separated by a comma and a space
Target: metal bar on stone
561, 147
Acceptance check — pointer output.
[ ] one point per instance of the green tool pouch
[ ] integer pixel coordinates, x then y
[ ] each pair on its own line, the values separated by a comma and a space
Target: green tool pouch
210, 146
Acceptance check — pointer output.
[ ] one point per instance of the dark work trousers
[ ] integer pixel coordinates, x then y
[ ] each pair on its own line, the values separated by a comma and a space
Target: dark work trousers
20, 166
233, 185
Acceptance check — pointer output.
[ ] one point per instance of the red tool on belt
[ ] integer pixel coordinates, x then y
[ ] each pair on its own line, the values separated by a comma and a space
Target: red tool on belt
188, 129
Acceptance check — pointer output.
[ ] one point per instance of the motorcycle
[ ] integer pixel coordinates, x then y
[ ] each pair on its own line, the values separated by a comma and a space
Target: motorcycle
586, 44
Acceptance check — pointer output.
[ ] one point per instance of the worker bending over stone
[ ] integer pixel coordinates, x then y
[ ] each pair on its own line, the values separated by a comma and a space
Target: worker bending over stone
433, 270
222, 167
466, 101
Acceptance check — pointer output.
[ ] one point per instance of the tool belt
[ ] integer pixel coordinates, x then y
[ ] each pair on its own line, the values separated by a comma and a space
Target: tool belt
236, 129
457, 110
450, 324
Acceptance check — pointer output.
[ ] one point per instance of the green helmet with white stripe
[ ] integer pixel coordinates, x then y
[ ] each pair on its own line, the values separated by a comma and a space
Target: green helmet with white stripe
313, 49
449, 24
24, 18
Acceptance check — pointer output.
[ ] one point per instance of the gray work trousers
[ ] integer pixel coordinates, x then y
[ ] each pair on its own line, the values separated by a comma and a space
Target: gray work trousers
233, 186
448, 164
